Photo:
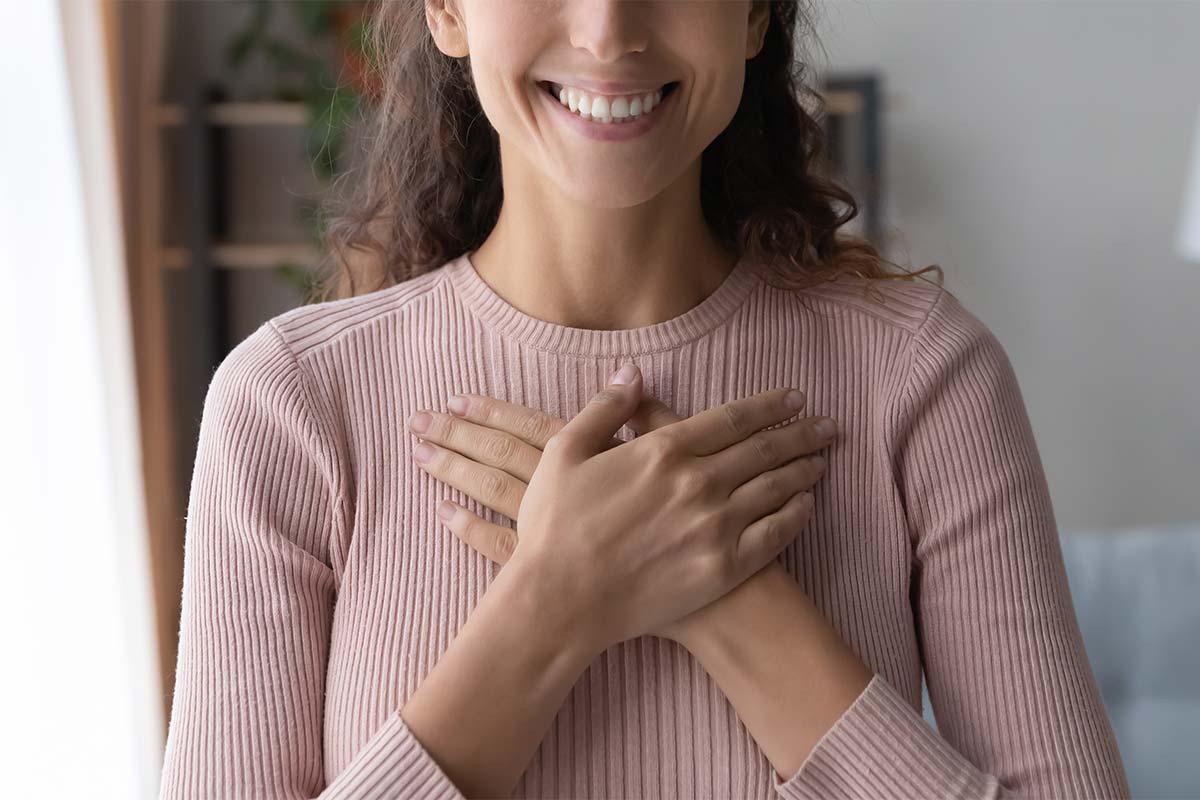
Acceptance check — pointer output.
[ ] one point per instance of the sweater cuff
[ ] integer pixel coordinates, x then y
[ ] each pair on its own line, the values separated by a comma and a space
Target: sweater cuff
881, 747
393, 764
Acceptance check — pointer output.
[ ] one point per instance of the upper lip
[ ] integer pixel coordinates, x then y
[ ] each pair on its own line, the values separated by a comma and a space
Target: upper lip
609, 87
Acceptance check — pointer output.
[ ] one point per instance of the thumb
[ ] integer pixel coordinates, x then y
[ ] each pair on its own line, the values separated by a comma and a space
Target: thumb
651, 415
592, 429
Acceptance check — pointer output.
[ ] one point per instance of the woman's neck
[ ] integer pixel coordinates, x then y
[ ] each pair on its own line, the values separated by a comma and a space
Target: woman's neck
587, 274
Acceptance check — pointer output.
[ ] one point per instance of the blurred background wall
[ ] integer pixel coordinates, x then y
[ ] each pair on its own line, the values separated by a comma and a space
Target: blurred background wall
1038, 151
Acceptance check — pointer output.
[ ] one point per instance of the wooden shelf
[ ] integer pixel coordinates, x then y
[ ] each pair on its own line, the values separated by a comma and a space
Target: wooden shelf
238, 114
837, 102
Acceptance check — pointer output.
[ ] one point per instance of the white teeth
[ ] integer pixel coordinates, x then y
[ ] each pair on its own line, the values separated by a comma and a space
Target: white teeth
606, 109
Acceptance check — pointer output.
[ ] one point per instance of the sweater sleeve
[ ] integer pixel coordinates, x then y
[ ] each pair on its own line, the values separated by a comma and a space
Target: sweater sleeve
258, 590
1018, 709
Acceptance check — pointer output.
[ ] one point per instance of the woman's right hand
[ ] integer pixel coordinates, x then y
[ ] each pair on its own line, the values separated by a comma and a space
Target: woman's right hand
630, 538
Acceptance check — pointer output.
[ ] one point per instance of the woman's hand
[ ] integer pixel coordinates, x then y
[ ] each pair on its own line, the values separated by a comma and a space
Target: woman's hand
669, 546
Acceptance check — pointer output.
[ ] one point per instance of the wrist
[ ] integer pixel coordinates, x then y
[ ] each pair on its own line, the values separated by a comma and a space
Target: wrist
720, 628
528, 599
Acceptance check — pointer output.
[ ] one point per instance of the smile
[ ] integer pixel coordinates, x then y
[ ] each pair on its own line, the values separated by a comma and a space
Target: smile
608, 117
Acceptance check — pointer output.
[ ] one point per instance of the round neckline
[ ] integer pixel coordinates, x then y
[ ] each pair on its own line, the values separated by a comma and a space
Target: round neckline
702, 318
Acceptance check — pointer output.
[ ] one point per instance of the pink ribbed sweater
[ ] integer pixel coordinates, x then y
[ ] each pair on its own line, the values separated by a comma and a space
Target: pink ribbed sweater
320, 587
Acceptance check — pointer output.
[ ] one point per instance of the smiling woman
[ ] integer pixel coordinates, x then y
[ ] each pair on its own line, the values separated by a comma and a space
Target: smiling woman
705, 609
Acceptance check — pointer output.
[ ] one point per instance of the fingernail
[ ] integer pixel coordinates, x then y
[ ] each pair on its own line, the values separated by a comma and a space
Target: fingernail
457, 405
446, 510
818, 462
423, 452
419, 422
625, 374
825, 428
794, 399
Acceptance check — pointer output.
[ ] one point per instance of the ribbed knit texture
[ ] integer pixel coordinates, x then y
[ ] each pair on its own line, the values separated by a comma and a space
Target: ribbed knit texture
320, 587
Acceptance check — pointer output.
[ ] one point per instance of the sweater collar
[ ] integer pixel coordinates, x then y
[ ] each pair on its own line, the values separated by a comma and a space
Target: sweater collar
700, 320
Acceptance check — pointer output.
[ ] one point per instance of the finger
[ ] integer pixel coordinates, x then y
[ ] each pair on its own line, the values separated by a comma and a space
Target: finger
497, 542
766, 450
529, 425
768, 537
715, 429
492, 487
590, 431
490, 447
769, 491
651, 415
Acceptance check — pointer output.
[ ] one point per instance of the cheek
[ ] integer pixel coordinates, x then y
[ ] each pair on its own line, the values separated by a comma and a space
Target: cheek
505, 96
714, 100
502, 57
710, 40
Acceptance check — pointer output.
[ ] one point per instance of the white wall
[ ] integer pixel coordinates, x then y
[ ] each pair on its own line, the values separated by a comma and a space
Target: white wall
1037, 151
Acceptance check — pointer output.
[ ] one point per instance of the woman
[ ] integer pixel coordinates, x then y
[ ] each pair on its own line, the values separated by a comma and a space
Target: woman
701, 609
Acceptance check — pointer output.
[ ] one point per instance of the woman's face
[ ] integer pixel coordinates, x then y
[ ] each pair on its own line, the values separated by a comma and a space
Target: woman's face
621, 49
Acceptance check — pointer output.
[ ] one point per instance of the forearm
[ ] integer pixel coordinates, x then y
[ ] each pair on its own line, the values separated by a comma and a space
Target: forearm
485, 706
786, 671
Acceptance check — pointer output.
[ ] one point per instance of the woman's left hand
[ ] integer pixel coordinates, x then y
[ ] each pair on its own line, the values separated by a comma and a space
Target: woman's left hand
489, 449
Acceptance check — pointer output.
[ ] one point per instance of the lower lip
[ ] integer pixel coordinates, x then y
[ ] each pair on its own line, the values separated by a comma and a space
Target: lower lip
609, 131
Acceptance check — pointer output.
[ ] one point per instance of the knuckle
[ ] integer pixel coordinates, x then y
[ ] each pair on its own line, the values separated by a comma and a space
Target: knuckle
500, 449
716, 520
560, 442
485, 411
708, 565
451, 465
767, 450
776, 534
722, 566
661, 448
801, 510
534, 428
506, 544
469, 530
774, 485
492, 488
736, 418
692, 481
606, 396
801, 476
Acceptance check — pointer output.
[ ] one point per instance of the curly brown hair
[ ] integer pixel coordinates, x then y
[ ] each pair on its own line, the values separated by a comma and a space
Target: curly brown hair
430, 188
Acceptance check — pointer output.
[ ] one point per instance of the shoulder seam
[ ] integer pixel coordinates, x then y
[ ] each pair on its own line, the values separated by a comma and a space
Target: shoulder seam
890, 322
368, 320
942, 292
332, 475
906, 383
911, 355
